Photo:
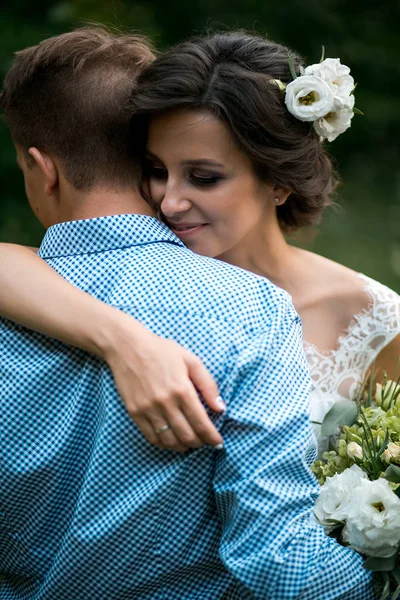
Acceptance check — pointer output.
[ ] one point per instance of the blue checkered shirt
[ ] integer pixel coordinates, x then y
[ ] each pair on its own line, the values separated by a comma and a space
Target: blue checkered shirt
90, 511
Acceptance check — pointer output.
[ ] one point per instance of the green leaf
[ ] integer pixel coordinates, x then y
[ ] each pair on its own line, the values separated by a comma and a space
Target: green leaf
342, 413
396, 574
357, 112
323, 54
386, 589
291, 67
384, 445
372, 377
376, 563
392, 474
354, 88
396, 593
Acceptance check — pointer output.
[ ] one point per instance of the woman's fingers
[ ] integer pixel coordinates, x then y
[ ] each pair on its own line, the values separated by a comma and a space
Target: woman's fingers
149, 431
189, 425
158, 382
205, 383
184, 419
182, 430
188, 419
197, 418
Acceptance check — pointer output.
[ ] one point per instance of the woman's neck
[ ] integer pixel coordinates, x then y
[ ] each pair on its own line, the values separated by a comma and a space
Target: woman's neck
267, 253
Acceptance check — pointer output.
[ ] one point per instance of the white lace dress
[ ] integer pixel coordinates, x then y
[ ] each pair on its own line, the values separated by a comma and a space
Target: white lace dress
340, 373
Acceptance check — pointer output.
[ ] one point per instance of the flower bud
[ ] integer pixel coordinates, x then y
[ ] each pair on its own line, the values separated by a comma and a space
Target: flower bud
392, 452
378, 394
384, 394
354, 450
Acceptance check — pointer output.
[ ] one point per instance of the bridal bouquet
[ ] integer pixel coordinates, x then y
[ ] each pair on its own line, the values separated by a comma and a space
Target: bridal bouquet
359, 503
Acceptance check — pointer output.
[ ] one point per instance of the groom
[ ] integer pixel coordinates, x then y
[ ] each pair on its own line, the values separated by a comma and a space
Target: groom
88, 509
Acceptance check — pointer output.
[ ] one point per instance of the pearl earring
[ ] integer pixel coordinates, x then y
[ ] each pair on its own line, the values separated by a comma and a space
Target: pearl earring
277, 200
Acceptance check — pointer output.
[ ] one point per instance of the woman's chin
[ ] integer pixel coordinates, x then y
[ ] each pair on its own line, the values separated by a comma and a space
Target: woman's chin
201, 247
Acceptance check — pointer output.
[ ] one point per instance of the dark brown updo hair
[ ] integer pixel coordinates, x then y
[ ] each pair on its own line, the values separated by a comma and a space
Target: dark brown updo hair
229, 74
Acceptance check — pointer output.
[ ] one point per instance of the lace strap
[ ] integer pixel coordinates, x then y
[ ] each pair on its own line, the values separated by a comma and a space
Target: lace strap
339, 373
379, 324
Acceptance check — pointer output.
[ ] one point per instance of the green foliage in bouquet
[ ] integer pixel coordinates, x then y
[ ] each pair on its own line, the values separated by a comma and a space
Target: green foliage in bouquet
360, 477
369, 435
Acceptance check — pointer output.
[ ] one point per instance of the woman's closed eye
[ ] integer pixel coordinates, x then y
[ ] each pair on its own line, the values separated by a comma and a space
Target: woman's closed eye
200, 179
156, 172
194, 177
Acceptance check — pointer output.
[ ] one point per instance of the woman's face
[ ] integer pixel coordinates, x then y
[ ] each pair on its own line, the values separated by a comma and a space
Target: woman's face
204, 185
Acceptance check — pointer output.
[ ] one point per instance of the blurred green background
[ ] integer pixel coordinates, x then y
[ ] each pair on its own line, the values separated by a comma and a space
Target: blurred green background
363, 231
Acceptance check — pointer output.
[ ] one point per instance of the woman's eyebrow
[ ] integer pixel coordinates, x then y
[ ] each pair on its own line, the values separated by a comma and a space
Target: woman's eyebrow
202, 161
151, 155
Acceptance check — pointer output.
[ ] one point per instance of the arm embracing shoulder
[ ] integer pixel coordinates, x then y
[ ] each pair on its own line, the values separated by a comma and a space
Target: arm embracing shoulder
264, 488
33, 295
148, 370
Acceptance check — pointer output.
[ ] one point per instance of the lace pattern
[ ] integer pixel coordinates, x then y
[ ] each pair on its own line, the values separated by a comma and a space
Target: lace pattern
339, 373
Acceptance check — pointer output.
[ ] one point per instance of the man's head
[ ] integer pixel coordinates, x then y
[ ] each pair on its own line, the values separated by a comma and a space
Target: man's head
65, 101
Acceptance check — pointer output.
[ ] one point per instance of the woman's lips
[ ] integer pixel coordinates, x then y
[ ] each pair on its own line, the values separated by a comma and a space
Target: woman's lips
187, 231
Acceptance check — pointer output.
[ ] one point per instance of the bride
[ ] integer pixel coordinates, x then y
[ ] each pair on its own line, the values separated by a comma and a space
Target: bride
231, 136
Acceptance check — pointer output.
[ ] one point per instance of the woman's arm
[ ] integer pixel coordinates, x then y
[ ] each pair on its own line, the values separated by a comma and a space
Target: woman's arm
156, 378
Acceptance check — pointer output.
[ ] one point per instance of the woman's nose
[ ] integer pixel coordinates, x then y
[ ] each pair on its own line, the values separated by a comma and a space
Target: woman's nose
174, 202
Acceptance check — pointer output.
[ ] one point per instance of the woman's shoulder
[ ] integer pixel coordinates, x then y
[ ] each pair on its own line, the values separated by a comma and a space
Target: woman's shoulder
334, 289
353, 321
351, 290
350, 302
358, 294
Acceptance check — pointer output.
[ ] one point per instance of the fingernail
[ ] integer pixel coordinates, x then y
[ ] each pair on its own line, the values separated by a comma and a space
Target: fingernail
220, 403
218, 447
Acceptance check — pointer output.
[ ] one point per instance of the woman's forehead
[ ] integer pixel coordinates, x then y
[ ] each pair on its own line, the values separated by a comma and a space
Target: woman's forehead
197, 132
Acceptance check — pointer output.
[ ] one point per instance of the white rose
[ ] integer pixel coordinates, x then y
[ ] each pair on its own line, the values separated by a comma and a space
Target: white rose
337, 75
392, 452
309, 98
333, 124
334, 498
373, 519
354, 450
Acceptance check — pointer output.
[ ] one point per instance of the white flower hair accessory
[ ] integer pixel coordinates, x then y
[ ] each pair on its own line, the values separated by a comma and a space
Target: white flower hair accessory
323, 94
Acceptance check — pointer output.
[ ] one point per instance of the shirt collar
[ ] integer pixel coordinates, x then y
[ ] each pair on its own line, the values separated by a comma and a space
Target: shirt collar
104, 233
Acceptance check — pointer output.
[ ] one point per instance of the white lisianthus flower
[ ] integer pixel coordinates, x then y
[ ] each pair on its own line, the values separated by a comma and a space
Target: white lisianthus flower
337, 75
333, 124
373, 519
309, 98
334, 498
392, 452
354, 450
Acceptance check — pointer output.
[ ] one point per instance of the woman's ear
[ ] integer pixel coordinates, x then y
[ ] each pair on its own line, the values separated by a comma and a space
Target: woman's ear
48, 168
280, 195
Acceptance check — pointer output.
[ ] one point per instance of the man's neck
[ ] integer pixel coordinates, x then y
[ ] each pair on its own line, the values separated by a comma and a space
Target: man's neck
102, 202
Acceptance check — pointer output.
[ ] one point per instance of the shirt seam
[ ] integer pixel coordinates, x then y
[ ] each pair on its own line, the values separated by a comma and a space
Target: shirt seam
103, 250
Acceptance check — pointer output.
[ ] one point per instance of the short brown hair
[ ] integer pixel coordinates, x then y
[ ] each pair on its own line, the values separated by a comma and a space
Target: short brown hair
230, 74
68, 96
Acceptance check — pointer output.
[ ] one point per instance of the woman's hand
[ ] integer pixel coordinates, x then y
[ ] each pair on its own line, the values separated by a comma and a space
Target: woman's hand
157, 380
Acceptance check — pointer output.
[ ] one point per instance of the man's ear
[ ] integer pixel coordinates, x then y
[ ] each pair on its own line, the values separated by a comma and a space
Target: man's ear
48, 168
